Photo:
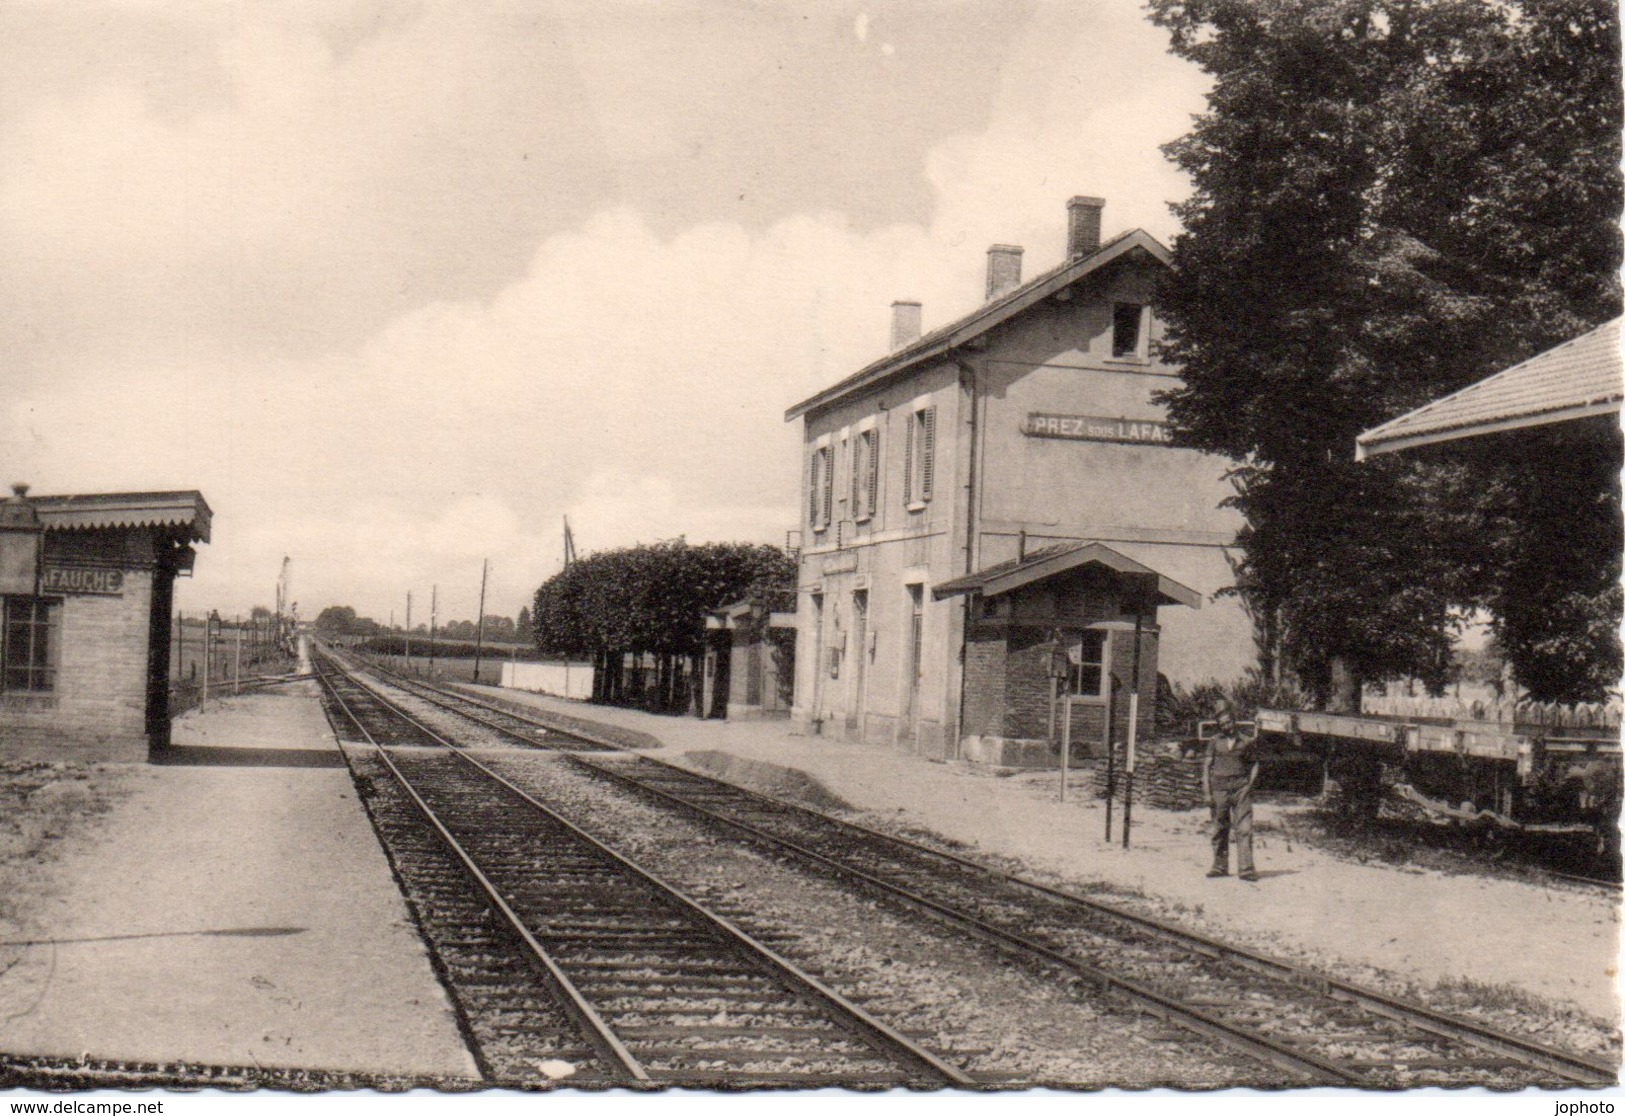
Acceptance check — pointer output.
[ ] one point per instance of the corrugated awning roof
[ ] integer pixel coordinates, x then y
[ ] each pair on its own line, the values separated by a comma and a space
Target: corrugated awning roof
1050, 561
985, 317
112, 510
1578, 379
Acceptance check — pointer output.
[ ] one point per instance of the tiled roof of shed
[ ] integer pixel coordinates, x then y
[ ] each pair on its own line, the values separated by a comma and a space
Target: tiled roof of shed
1049, 561
1578, 378
107, 510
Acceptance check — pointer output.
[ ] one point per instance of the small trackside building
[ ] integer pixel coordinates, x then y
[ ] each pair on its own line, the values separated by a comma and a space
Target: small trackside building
1023, 430
87, 598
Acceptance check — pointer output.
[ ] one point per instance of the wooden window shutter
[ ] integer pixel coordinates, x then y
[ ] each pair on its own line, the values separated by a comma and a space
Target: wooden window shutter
872, 502
908, 465
857, 475
829, 484
812, 487
928, 431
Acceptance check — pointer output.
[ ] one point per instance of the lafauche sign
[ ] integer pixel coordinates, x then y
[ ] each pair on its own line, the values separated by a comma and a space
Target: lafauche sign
66, 579
1097, 428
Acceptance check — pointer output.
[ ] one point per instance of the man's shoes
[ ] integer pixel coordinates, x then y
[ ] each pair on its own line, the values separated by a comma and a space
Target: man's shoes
1250, 876
1216, 873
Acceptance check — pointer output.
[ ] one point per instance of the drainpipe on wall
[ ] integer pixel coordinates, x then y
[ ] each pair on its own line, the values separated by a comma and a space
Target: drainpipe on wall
969, 397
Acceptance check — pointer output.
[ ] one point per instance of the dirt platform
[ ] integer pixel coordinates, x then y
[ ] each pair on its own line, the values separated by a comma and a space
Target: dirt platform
232, 906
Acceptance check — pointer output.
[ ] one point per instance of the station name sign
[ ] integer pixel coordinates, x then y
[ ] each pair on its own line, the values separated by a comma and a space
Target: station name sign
82, 582
1098, 428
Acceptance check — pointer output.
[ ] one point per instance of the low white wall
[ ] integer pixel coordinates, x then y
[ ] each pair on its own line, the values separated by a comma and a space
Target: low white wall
571, 680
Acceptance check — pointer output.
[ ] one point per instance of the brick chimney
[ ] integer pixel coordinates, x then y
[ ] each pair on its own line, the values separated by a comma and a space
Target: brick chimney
1083, 226
1003, 269
905, 323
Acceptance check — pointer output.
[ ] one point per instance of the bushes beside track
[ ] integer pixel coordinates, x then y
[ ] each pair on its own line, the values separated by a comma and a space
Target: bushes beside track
445, 649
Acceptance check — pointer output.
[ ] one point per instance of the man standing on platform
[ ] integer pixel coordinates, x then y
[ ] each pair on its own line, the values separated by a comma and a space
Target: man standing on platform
1228, 773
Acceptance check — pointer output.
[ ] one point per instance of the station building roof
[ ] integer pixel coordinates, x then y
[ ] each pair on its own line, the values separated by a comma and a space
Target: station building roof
1050, 561
185, 511
985, 317
1578, 379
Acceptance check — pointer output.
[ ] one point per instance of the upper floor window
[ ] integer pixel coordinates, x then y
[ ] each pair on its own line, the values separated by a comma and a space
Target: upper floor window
28, 636
820, 488
1130, 330
919, 467
865, 474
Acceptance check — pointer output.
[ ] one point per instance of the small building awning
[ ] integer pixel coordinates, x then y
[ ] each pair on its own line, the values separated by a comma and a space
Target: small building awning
1579, 379
1050, 561
187, 511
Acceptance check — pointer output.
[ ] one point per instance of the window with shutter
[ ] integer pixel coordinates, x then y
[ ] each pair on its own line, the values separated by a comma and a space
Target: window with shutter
919, 476
812, 488
855, 496
928, 451
872, 499
908, 464
829, 486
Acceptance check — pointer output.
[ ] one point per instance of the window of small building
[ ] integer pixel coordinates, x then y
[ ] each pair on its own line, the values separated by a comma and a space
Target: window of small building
28, 638
1088, 659
1128, 330
919, 472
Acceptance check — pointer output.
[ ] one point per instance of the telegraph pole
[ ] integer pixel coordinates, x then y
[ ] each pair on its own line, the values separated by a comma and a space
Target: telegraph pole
408, 666
479, 623
434, 614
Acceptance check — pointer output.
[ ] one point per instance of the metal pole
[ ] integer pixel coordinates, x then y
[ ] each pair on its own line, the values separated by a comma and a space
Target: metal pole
237, 659
1066, 741
1133, 730
479, 623
1054, 688
1111, 751
408, 666
203, 699
434, 617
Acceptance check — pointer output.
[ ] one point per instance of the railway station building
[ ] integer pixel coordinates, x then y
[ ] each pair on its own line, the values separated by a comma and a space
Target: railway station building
1000, 495
87, 595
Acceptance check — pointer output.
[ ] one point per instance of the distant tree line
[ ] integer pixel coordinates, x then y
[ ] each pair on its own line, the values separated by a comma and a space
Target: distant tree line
650, 601
341, 620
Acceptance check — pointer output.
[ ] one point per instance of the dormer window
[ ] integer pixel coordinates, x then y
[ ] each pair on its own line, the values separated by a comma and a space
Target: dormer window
1129, 330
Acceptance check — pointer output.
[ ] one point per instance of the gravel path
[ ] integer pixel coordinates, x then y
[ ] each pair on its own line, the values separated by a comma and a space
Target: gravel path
238, 911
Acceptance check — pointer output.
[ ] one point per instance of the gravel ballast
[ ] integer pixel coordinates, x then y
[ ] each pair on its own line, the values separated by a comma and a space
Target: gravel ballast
1415, 927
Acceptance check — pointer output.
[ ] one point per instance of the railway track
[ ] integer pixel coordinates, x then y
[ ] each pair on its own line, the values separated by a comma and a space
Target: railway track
624, 980
1316, 1028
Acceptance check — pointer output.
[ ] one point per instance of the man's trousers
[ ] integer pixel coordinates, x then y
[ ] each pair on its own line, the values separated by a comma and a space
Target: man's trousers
1232, 817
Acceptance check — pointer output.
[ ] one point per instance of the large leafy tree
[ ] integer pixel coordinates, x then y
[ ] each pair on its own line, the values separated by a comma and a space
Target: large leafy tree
1392, 199
652, 597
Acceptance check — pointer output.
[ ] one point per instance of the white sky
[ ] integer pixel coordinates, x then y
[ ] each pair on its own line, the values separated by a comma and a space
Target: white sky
397, 286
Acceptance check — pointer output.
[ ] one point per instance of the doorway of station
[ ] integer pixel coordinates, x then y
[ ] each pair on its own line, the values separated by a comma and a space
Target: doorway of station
859, 657
913, 661
818, 666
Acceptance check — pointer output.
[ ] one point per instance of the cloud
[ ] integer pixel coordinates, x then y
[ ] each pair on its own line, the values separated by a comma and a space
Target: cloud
632, 379
297, 197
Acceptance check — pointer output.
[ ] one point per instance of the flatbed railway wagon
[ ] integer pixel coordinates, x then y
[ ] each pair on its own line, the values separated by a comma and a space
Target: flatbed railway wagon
1531, 767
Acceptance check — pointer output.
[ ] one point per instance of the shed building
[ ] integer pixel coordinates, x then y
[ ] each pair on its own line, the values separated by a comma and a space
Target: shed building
87, 592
